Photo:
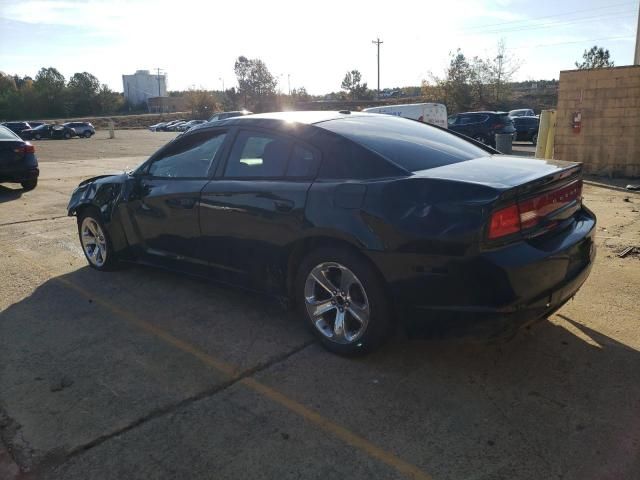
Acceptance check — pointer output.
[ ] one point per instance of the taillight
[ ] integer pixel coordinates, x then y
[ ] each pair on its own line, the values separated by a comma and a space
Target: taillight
504, 222
528, 213
24, 149
533, 209
498, 125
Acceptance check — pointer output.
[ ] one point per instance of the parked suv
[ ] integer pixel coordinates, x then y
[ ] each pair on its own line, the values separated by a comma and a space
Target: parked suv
17, 127
527, 128
83, 129
482, 126
18, 162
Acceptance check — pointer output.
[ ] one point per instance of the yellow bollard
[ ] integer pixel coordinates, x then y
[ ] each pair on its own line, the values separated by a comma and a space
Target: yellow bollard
546, 134
551, 135
543, 130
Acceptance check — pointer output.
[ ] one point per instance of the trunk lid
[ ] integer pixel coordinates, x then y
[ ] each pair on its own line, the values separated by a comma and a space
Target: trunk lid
505, 172
534, 196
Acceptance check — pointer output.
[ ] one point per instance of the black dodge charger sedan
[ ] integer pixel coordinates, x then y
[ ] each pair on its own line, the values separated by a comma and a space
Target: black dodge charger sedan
362, 220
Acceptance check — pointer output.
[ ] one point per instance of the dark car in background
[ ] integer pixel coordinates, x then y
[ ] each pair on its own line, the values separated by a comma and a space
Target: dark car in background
57, 132
17, 127
187, 125
82, 129
225, 115
526, 129
482, 126
359, 219
18, 162
522, 112
166, 127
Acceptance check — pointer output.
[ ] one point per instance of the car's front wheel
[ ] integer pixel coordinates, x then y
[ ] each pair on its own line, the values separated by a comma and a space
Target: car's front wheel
67, 135
29, 184
343, 301
37, 136
95, 241
87, 134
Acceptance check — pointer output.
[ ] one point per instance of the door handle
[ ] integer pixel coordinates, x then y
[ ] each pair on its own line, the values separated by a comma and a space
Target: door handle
185, 203
283, 205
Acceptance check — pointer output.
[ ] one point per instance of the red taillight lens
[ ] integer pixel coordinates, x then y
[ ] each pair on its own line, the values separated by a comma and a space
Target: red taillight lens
504, 222
533, 209
527, 213
24, 149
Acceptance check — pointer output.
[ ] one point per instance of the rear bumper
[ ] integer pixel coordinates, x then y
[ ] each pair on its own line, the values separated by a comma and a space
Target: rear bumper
19, 175
496, 291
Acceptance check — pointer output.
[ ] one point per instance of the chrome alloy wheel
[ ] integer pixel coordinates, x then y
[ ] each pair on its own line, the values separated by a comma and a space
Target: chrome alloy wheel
336, 302
94, 242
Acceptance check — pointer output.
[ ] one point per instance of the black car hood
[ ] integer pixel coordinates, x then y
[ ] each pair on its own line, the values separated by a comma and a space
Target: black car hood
117, 178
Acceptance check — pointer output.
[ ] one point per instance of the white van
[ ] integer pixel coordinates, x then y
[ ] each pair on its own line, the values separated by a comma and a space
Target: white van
434, 113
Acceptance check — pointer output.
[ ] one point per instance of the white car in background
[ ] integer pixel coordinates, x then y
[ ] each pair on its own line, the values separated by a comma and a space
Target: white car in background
433, 113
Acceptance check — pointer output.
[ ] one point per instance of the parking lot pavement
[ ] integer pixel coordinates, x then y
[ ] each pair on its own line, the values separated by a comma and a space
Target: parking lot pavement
145, 374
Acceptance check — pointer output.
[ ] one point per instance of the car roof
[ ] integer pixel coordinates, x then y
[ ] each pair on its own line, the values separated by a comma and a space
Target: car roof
485, 112
281, 120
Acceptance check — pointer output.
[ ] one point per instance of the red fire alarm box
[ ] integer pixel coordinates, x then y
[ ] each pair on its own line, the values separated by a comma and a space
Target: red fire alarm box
576, 123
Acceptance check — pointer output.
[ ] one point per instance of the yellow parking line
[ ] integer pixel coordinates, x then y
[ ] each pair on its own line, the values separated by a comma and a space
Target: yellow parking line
344, 434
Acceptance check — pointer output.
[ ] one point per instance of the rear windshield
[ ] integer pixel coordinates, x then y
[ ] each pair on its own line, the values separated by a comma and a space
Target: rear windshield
410, 144
6, 134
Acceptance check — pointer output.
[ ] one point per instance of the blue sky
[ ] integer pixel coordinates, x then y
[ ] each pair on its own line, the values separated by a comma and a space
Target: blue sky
311, 42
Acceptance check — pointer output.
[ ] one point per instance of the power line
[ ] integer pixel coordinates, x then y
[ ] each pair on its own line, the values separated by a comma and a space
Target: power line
542, 26
572, 42
553, 16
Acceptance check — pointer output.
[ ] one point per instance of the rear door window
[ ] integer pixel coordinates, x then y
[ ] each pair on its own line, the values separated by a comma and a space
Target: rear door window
258, 155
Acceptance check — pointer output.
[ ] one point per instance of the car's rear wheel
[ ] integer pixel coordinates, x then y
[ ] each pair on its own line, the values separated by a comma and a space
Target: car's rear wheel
37, 136
343, 300
29, 184
95, 241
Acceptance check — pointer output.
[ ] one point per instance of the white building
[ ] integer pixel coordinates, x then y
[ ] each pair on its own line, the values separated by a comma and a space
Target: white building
142, 85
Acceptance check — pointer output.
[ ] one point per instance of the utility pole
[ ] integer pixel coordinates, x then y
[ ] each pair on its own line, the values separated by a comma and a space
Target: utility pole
378, 42
159, 91
289, 82
222, 80
500, 58
636, 58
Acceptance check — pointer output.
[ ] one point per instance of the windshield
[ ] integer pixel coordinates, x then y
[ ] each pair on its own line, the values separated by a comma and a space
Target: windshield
410, 144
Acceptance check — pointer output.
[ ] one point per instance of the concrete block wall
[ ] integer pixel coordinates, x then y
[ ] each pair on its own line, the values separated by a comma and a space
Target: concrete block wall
609, 139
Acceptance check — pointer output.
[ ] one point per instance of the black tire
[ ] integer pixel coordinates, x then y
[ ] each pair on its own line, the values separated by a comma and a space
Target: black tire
37, 136
67, 135
87, 134
29, 184
111, 262
534, 139
378, 328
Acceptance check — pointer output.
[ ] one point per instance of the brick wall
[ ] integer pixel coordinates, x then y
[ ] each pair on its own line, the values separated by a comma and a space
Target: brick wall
609, 101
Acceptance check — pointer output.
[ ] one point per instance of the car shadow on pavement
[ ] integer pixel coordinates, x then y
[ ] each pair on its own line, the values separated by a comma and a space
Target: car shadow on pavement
560, 399
7, 194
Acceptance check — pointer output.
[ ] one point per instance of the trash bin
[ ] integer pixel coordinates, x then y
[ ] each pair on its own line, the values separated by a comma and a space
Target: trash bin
504, 142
